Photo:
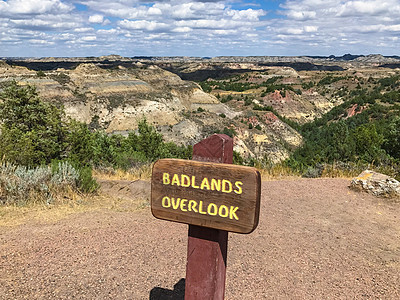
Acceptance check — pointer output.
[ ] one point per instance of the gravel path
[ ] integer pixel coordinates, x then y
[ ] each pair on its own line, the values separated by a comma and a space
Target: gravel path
316, 240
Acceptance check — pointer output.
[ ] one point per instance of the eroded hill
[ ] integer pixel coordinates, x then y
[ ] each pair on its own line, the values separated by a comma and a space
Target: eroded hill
258, 103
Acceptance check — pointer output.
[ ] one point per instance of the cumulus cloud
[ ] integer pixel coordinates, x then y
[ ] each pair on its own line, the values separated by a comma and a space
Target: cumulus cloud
29, 7
143, 25
40, 24
301, 15
337, 27
96, 19
373, 8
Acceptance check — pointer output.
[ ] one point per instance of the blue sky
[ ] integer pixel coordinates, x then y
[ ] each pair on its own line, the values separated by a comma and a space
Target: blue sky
43, 28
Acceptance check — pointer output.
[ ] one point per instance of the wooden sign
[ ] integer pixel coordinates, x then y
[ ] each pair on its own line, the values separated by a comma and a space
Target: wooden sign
214, 195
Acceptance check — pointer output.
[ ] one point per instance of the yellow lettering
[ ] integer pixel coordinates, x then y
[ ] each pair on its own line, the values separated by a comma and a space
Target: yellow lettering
165, 178
212, 209
192, 206
205, 184
166, 202
238, 185
175, 180
216, 184
232, 213
183, 205
223, 211
175, 203
201, 208
194, 183
185, 180
226, 186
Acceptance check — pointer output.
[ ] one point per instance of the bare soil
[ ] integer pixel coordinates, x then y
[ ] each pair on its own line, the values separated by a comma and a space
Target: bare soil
317, 239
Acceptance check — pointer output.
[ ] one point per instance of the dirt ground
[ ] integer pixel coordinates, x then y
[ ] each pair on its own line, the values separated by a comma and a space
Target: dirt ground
316, 239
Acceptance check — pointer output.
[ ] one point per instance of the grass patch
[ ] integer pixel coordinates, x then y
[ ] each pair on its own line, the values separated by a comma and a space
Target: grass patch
38, 213
276, 172
142, 172
14, 215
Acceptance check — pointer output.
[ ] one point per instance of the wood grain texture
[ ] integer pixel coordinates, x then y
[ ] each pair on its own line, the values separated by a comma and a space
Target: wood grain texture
231, 203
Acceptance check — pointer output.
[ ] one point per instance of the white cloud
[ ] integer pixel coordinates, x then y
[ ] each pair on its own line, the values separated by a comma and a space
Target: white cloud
301, 15
249, 14
143, 25
41, 24
292, 30
41, 42
225, 32
182, 29
361, 26
395, 27
88, 38
107, 32
30, 7
83, 29
310, 28
373, 8
96, 19
204, 28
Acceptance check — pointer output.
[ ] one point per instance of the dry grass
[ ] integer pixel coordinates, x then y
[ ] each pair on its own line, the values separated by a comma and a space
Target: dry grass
276, 172
140, 173
332, 172
13, 215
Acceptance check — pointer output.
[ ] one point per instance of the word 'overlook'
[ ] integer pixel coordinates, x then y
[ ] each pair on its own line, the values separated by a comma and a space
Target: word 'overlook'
198, 207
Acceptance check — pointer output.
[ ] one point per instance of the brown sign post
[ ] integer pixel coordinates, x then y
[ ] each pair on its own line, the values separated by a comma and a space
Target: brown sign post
213, 198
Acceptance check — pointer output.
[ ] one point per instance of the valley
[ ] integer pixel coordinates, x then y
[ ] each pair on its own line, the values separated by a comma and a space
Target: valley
262, 102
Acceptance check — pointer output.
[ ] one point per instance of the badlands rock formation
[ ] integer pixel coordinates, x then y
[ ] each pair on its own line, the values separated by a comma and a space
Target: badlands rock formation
115, 99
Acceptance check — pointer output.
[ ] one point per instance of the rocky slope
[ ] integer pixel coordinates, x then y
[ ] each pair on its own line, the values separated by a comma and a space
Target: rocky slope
112, 93
115, 100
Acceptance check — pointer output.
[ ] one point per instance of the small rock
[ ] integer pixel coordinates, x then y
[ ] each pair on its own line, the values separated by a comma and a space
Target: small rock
377, 184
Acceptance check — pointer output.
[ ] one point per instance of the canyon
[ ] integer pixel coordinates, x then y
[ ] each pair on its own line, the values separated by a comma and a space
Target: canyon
112, 93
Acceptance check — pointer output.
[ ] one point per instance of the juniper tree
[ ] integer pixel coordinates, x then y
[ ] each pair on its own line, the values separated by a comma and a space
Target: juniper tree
31, 129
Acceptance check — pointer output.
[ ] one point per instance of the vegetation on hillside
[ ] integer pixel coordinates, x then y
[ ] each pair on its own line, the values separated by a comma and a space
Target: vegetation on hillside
240, 83
361, 132
370, 136
37, 139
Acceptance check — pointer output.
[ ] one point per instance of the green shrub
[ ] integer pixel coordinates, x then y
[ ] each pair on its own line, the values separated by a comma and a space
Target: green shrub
330, 79
237, 158
61, 78
32, 130
40, 74
229, 132
79, 143
87, 183
247, 101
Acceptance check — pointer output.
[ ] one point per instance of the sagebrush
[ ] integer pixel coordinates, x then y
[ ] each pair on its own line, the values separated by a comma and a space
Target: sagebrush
21, 185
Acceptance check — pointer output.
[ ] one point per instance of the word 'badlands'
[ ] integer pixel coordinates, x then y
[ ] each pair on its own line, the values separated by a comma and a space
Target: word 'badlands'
197, 207
224, 185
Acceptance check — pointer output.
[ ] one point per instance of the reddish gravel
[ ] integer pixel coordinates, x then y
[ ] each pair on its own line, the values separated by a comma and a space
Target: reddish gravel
316, 240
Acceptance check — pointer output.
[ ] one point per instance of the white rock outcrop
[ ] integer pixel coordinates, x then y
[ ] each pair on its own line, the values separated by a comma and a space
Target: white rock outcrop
377, 184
